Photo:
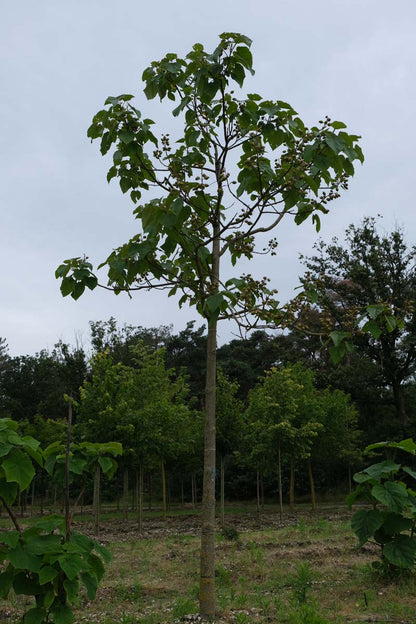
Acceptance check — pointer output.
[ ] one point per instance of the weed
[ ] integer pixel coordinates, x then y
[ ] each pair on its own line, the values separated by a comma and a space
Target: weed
301, 582
183, 607
230, 533
222, 576
306, 614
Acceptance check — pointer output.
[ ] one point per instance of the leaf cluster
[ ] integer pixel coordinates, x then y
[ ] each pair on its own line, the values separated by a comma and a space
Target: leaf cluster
47, 561
391, 522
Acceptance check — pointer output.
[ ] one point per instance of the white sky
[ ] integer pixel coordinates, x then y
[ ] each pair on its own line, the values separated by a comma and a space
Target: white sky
354, 60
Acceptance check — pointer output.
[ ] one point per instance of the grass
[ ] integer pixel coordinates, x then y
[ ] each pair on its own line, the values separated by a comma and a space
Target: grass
305, 572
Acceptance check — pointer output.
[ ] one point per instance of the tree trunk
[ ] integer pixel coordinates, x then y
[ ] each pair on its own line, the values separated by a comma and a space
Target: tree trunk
96, 501
279, 461
312, 484
258, 492
150, 490
222, 491
139, 498
193, 490
292, 485
163, 490
207, 570
125, 494
400, 405
32, 504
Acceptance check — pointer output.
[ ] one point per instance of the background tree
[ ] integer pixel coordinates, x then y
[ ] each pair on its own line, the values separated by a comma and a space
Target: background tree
229, 412
239, 168
354, 281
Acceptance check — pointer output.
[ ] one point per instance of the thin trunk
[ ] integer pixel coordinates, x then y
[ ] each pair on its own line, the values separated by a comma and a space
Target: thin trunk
292, 485
139, 498
163, 490
32, 504
125, 494
279, 460
67, 454
207, 571
222, 490
150, 491
193, 490
182, 495
96, 501
400, 406
262, 491
312, 484
258, 492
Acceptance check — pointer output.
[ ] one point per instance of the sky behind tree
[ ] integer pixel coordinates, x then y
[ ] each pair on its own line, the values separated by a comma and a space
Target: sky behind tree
354, 61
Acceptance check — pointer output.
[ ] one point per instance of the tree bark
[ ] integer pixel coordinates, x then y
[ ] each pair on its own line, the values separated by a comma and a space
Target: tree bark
312, 485
207, 570
279, 460
292, 485
258, 492
164, 506
96, 501
139, 498
125, 494
222, 491
400, 405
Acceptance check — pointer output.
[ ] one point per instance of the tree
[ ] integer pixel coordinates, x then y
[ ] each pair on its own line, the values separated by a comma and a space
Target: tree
229, 411
284, 416
240, 167
368, 278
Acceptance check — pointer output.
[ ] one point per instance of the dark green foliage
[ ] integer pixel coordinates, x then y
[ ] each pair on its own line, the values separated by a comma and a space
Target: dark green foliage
391, 522
47, 561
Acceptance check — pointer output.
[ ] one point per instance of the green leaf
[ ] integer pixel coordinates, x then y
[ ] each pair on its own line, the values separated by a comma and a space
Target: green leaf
44, 544
36, 615
96, 565
382, 469
47, 573
10, 538
401, 551
62, 615
337, 125
391, 494
395, 523
26, 586
364, 523
91, 584
50, 523
71, 564
72, 589
103, 552
19, 469
6, 580
22, 559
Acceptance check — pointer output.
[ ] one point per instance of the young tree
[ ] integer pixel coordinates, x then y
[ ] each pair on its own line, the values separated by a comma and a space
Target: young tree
240, 167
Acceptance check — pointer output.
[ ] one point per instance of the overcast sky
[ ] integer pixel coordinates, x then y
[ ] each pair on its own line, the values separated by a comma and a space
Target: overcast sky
354, 60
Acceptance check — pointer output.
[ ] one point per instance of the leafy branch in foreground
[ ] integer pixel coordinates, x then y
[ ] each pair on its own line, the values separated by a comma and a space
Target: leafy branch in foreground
48, 560
215, 194
391, 522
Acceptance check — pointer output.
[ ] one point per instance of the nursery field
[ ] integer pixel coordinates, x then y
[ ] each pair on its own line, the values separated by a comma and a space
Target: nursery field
304, 569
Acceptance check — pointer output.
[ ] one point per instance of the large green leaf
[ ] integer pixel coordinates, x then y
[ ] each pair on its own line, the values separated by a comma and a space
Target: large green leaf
364, 523
72, 564
22, 559
6, 580
382, 469
44, 544
47, 573
36, 615
391, 494
19, 469
401, 551
395, 523
61, 615
91, 584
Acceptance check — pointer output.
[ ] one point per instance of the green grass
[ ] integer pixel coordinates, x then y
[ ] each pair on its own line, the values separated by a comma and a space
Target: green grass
305, 572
